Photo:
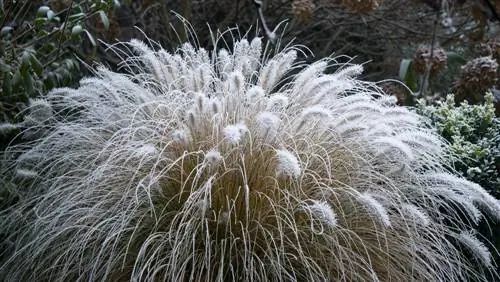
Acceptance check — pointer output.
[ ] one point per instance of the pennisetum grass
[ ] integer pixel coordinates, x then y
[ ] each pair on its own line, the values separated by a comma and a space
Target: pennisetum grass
221, 166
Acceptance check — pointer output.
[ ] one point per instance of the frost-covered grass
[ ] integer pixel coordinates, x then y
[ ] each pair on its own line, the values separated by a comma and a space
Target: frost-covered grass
211, 166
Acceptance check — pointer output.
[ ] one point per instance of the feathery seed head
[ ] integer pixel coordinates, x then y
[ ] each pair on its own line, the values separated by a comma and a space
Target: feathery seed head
277, 102
288, 165
26, 173
234, 133
180, 136
213, 157
7, 127
375, 208
268, 120
476, 247
349, 72
316, 110
255, 94
40, 110
146, 149
415, 214
324, 212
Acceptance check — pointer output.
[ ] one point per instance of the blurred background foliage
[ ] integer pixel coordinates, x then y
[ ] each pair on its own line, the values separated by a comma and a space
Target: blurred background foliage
45, 45
419, 50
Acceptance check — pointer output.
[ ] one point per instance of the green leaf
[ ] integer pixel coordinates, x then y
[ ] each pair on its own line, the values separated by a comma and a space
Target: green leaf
7, 84
5, 30
404, 66
42, 11
25, 56
24, 70
76, 16
408, 75
29, 84
90, 37
4, 67
455, 58
50, 15
77, 29
16, 79
50, 81
104, 19
39, 22
36, 65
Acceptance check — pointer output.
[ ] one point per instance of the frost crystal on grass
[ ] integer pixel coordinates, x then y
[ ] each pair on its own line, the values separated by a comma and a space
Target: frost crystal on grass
6, 128
324, 212
26, 173
376, 208
476, 247
213, 157
288, 164
235, 133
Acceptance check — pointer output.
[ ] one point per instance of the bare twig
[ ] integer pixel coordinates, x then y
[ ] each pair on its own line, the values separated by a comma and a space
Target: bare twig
270, 34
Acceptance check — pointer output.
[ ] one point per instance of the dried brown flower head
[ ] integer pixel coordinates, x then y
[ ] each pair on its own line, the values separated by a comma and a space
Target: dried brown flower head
303, 10
361, 6
422, 59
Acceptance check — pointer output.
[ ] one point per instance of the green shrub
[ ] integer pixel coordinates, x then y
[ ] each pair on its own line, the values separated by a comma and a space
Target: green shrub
474, 134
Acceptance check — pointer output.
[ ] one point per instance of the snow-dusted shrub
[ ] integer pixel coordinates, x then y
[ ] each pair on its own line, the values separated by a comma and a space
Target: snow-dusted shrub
211, 166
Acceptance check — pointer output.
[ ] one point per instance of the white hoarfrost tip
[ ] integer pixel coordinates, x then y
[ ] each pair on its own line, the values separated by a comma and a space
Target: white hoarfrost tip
7, 127
268, 120
323, 211
26, 173
234, 133
476, 247
316, 111
415, 214
146, 149
350, 71
288, 164
277, 101
40, 109
200, 101
180, 136
375, 207
254, 94
213, 157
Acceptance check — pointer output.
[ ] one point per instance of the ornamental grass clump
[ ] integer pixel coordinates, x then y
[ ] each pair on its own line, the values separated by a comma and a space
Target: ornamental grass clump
223, 166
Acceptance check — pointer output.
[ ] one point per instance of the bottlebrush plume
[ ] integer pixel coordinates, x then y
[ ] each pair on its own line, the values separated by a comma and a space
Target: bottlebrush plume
220, 165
